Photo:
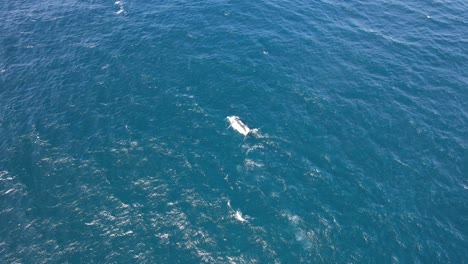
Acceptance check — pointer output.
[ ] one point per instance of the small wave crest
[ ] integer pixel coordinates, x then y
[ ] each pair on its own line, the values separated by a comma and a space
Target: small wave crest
121, 7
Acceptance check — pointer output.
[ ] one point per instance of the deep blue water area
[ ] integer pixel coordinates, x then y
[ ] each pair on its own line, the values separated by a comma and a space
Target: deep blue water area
115, 147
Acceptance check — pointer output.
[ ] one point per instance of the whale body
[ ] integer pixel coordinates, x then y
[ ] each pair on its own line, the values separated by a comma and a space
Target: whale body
238, 125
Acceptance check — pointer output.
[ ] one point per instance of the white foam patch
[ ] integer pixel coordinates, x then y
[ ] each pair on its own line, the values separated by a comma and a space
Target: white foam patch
252, 164
259, 147
9, 191
121, 7
301, 233
238, 216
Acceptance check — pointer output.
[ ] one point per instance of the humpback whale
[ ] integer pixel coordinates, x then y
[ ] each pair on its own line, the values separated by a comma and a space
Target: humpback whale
238, 125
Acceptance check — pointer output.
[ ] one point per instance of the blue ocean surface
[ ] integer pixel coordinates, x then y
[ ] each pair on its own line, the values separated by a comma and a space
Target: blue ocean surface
115, 147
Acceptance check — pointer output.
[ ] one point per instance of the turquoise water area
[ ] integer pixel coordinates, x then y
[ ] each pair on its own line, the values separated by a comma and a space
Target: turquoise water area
115, 148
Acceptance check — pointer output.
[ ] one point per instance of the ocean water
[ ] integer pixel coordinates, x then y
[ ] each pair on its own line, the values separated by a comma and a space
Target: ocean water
115, 147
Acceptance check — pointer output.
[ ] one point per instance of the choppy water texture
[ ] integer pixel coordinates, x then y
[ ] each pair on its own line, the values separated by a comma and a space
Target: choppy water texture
114, 143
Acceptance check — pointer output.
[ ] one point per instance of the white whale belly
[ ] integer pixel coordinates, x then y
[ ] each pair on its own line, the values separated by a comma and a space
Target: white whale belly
238, 125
